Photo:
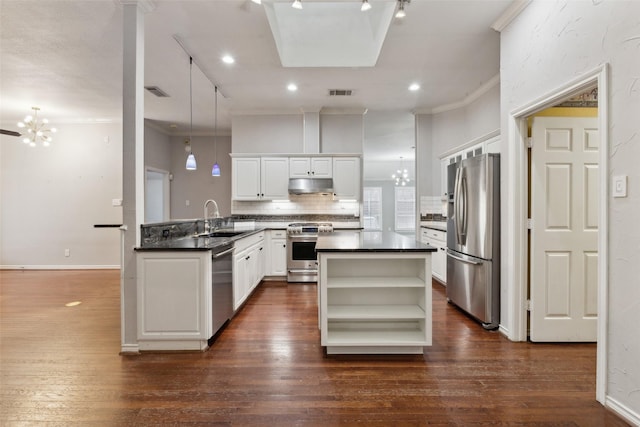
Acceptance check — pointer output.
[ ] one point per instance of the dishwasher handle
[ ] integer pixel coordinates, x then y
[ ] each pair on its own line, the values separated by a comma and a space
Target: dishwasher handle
223, 253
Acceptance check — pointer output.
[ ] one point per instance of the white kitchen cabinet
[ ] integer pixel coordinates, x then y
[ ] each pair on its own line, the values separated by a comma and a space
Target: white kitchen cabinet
246, 178
248, 267
437, 239
174, 300
346, 178
316, 167
378, 303
260, 178
471, 149
277, 253
274, 178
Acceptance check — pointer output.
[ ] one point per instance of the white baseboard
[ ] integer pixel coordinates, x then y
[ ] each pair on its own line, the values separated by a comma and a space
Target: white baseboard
129, 349
59, 267
626, 413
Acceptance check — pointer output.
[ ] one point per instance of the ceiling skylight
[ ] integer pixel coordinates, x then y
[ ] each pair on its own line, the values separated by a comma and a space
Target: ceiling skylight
329, 33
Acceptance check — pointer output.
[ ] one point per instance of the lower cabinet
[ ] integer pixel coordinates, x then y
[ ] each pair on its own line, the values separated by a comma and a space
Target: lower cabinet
173, 300
376, 303
437, 239
248, 267
277, 253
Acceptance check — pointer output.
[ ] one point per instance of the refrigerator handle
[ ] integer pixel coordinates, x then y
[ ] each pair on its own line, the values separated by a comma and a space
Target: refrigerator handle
463, 190
463, 260
456, 205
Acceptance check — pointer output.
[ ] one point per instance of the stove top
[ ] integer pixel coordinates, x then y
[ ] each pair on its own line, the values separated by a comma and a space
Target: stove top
309, 228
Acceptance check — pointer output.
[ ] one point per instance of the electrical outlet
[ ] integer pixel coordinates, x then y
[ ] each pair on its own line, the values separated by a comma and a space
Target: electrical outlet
186, 202
67, 252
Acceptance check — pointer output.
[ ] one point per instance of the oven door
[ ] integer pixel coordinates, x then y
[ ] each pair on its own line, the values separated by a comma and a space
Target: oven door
302, 262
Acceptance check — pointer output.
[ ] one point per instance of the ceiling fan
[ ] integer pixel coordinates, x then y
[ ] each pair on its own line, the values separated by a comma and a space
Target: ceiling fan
10, 132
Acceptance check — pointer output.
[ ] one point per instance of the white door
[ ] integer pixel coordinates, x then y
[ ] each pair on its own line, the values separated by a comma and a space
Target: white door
156, 196
564, 237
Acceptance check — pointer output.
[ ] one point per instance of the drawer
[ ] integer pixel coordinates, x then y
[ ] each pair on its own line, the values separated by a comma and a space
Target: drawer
278, 234
434, 234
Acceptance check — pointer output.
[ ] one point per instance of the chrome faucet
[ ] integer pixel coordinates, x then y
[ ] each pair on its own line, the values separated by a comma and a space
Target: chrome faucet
216, 214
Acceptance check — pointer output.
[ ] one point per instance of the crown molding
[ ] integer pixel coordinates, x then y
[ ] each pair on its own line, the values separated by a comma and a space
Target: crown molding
509, 14
145, 6
465, 102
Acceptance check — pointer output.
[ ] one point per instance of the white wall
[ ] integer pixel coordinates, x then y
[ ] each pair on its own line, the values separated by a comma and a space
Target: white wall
447, 130
157, 149
198, 186
272, 133
52, 197
341, 133
552, 43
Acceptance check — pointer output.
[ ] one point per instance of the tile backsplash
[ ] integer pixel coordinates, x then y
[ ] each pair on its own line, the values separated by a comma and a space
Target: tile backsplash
433, 208
298, 205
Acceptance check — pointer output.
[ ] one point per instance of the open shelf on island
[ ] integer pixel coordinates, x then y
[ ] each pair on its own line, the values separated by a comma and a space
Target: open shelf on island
373, 312
374, 282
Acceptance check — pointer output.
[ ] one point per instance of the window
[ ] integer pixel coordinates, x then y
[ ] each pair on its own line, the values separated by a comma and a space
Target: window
372, 208
405, 208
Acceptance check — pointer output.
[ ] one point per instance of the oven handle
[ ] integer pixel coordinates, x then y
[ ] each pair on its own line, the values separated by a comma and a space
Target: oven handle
299, 270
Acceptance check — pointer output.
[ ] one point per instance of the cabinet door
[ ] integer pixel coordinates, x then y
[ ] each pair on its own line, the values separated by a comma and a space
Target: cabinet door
239, 279
274, 177
299, 167
321, 167
246, 178
173, 295
278, 251
444, 163
346, 177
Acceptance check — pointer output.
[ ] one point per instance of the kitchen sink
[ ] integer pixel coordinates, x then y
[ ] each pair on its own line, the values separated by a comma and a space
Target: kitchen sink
219, 234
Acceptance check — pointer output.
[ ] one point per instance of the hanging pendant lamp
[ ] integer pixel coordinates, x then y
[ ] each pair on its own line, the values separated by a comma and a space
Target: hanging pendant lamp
191, 159
215, 171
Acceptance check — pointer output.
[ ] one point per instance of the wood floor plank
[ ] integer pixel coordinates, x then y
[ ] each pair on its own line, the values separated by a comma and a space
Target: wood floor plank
60, 366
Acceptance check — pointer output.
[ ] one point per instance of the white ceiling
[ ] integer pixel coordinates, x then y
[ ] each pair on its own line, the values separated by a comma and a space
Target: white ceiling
66, 58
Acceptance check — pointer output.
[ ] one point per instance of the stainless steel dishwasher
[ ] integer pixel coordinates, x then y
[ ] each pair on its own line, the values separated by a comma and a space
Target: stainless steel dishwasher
222, 286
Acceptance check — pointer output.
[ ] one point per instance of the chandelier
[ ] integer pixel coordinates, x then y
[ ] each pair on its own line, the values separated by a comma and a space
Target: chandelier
402, 175
37, 131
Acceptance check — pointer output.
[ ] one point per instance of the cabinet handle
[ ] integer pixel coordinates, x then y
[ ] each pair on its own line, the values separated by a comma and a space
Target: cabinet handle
260, 248
248, 256
284, 246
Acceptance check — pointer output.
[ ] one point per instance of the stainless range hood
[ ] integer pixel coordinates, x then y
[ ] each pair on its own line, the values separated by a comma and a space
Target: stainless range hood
310, 186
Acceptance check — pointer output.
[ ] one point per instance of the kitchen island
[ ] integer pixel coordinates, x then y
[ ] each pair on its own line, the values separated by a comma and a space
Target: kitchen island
374, 293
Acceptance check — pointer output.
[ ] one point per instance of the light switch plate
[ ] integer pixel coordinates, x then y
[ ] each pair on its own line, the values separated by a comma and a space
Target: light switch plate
620, 186
116, 202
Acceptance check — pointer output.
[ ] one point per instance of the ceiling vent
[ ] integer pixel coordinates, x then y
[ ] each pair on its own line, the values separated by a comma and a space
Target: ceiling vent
340, 92
157, 91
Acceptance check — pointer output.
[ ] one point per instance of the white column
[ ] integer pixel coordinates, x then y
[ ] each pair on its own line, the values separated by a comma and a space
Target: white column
132, 161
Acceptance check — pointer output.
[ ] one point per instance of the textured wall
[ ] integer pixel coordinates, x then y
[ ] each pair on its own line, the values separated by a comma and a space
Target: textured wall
52, 197
552, 43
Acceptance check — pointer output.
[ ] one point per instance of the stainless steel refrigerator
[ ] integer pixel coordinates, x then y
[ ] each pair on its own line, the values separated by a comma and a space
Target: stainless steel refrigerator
473, 237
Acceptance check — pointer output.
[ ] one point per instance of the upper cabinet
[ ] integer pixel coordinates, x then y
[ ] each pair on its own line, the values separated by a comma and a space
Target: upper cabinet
346, 178
260, 178
316, 167
489, 145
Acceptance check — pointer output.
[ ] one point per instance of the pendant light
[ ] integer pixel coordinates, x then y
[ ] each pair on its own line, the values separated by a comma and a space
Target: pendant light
191, 159
215, 171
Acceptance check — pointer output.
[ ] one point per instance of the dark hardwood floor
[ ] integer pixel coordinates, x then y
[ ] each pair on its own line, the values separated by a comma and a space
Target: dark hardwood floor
60, 366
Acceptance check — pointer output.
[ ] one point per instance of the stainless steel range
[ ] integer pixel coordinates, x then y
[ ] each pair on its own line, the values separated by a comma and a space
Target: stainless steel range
302, 262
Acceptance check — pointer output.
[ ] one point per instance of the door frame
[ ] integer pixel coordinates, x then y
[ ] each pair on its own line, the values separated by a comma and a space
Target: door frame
517, 253
166, 189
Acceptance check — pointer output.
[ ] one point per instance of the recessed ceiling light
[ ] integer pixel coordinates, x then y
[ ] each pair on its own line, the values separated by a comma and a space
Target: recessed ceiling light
228, 59
292, 87
257, 1
414, 87
365, 5
297, 4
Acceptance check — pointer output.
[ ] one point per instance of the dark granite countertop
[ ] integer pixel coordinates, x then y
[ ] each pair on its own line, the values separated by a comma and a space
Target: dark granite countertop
369, 241
193, 243
440, 226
